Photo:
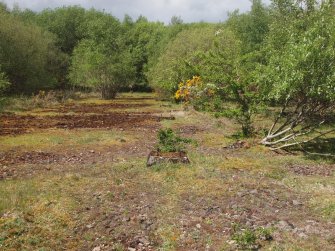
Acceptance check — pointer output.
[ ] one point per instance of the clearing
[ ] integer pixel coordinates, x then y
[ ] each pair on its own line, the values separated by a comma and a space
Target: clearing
74, 177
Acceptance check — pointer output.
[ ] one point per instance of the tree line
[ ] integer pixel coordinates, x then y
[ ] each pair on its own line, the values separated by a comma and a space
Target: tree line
279, 56
71, 46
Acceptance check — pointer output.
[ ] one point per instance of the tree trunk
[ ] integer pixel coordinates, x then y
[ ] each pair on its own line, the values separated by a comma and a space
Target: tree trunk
108, 91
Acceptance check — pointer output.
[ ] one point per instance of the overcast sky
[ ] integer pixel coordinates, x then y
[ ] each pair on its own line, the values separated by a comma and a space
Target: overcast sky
162, 10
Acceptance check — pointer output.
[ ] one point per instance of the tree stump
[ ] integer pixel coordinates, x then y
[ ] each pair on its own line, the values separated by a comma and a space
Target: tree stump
156, 157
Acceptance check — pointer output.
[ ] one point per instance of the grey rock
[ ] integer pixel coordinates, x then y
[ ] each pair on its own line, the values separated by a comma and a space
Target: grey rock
285, 225
303, 235
144, 241
296, 203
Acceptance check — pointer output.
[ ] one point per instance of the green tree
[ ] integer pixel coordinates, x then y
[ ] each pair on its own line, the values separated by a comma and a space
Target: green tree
93, 67
167, 34
252, 27
66, 23
227, 75
101, 61
28, 55
3, 7
176, 63
176, 20
299, 73
232, 74
142, 38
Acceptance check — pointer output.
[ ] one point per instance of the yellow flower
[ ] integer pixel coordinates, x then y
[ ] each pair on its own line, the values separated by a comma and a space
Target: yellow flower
210, 92
177, 94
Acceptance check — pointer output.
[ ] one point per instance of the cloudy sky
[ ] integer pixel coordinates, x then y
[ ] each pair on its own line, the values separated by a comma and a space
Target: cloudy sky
162, 10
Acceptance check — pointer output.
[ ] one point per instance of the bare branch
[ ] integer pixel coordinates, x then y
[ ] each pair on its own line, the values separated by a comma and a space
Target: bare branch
303, 142
280, 115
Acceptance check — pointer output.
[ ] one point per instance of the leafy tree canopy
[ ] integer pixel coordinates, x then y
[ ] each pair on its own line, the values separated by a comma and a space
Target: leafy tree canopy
28, 55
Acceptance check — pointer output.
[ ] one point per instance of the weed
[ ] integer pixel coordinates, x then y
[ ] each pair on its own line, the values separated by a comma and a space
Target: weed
110, 195
169, 235
329, 211
248, 238
170, 142
165, 166
277, 174
119, 182
118, 247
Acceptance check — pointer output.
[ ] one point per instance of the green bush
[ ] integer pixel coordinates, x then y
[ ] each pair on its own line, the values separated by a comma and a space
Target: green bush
249, 239
168, 141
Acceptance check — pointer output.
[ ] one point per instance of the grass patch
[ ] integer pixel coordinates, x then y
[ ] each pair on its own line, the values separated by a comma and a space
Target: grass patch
17, 194
320, 190
57, 139
36, 213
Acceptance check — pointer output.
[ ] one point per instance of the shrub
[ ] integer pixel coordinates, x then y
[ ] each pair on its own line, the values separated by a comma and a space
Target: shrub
250, 239
168, 141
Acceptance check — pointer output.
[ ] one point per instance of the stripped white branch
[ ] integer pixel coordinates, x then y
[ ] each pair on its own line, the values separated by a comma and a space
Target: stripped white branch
302, 142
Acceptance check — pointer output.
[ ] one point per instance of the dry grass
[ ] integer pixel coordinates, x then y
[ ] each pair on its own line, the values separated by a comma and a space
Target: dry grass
112, 204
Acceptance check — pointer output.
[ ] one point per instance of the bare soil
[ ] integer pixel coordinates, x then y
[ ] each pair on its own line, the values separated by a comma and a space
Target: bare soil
15, 124
93, 108
117, 203
310, 170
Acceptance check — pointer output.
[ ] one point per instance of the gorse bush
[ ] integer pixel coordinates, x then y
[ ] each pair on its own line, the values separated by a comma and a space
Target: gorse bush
188, 89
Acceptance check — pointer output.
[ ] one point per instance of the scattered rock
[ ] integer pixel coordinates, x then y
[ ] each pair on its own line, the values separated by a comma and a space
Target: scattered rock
239, 144
144, 241
308, 170
231, 242
296, 203
285, 225
156, 157
303, 235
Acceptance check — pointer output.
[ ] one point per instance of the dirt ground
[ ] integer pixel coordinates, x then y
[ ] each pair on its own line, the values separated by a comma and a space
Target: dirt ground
79, 116
74, 177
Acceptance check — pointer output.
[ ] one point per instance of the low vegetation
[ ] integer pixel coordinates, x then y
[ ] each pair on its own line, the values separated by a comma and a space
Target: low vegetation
168, 141
87, 185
